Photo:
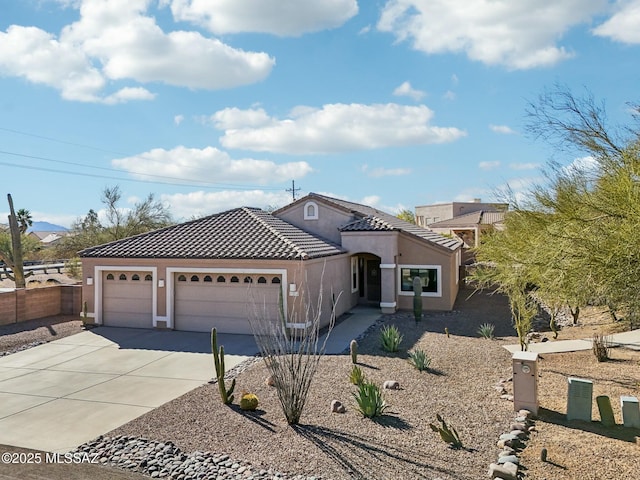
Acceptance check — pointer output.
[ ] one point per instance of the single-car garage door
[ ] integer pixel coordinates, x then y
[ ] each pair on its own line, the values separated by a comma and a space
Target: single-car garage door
224, 301
127, 299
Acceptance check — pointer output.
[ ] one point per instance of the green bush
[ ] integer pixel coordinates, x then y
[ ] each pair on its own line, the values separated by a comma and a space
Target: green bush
369, 400
486, 330
419, 359
390, 338
356, 376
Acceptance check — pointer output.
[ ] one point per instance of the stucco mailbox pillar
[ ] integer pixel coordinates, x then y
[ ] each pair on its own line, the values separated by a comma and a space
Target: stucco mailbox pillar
525, 381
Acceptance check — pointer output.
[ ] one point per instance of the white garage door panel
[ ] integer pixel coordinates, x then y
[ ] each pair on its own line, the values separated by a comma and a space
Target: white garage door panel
200, 306
126, 303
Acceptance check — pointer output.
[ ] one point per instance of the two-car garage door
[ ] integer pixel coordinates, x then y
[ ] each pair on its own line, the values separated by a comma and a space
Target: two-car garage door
224, 301
201, 300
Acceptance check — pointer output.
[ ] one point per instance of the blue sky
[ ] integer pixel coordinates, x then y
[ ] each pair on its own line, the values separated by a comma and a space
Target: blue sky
214, 104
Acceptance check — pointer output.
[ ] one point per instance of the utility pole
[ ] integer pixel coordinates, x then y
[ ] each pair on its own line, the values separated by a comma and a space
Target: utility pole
293, 190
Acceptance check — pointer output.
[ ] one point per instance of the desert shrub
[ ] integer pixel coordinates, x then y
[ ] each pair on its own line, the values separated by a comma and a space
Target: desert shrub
390, 338
486, 330
601, 347
419, 359
248, 401
356, 376
369, 400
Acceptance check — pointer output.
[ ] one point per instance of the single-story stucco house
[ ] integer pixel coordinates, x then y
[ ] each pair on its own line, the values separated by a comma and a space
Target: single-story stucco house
212, 271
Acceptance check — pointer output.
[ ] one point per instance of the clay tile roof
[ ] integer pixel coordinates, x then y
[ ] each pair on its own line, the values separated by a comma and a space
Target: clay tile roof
472, 219
241, 233
373, 219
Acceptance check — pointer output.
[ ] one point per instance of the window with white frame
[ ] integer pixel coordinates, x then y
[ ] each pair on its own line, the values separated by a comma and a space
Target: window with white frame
430, 277
355, 284
311, 211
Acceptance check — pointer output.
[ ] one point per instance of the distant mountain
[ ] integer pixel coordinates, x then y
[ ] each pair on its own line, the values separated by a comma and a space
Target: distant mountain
46, 227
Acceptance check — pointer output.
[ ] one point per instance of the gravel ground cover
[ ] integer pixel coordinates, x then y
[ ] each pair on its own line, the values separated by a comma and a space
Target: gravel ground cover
19, 336
398, 445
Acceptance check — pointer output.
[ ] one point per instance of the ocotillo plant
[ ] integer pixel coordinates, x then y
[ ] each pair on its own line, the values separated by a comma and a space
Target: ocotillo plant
218, 363
417, 299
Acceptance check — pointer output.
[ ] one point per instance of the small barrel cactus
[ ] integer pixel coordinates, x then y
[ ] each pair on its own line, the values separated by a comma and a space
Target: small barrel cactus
248, 401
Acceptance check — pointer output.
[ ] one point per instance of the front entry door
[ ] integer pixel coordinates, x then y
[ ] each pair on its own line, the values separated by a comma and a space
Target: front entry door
373, 281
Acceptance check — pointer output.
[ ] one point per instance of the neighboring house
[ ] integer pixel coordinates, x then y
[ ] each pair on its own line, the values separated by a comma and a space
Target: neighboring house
429, 214
215, 270
47, 239
470, 227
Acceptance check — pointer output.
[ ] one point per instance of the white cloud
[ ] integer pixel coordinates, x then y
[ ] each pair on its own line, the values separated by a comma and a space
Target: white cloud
489, 165
624, 25
524, 166
364, 30
178, 119
129, 93
184, 206
208, 165
385, 172
503, 129
116, 40
519, 35
278, 17
407, 90
333, 128
449, 95
370, 200
454, 79
586, 164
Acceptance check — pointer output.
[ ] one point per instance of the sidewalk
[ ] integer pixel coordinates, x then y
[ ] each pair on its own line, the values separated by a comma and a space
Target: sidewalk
629, 340
360, 318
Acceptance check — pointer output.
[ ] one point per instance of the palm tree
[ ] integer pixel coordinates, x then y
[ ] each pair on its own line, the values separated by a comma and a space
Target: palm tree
24, 219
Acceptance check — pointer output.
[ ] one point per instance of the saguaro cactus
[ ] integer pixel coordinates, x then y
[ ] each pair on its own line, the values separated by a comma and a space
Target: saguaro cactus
417, 299
218, 363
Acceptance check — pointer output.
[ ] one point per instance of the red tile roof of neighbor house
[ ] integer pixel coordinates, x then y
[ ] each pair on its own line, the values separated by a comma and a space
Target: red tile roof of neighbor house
481, 217
241, 233
373, 219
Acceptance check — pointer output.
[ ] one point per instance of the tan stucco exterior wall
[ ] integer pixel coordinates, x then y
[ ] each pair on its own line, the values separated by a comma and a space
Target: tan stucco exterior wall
326, 225
336, 275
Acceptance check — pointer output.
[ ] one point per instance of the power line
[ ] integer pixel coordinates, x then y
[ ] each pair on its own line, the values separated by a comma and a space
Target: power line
186, 183
61, 141
293, 190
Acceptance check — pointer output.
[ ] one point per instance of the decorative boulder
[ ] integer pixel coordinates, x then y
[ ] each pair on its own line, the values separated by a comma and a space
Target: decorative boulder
391, 385
337, 407
269, 381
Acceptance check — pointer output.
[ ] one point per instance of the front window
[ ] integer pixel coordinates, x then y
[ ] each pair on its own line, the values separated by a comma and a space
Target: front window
354, 274
429, 278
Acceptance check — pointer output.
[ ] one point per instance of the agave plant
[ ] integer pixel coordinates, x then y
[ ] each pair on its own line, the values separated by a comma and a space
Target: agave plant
356, 376
369, 400
419, 359
486, 330
390, 338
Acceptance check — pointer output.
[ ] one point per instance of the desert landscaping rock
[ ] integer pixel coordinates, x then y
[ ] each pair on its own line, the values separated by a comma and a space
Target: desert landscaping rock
165, 460
391, 385
337, 407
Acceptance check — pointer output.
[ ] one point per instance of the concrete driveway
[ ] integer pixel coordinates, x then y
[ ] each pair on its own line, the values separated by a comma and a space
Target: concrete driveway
56, 396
